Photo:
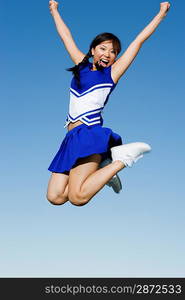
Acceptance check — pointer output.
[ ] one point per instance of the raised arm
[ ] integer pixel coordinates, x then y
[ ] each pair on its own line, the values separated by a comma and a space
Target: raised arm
65, 34
122, 64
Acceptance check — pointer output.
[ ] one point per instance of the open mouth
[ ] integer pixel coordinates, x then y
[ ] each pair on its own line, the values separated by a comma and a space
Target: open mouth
103, 62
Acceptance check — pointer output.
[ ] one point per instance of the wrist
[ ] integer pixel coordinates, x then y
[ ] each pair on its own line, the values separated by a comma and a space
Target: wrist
55, 12
161, 15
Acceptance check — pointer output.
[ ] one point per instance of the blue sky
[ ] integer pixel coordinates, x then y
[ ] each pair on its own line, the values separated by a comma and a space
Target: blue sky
138, 233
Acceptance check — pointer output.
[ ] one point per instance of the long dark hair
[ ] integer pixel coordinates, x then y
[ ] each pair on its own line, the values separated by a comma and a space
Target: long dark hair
102, 37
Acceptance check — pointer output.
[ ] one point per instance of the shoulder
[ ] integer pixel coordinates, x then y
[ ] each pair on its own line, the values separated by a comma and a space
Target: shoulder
85, 66
115, 72
109, 71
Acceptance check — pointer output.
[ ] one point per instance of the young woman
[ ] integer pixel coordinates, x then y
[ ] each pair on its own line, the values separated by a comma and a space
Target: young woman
77, 173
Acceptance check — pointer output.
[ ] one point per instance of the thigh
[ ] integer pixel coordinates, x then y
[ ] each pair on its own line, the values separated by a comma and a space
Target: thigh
57, 184
85, 167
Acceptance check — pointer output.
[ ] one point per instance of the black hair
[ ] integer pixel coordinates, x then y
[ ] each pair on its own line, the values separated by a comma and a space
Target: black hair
102, 37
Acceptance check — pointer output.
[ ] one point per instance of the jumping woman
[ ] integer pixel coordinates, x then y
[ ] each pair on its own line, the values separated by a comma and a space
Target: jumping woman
91, 155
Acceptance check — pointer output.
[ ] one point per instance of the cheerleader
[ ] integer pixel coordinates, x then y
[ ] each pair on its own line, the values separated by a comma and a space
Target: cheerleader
90, 156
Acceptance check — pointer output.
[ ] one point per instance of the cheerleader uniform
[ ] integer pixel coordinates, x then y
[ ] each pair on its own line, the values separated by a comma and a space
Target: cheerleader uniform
86, 104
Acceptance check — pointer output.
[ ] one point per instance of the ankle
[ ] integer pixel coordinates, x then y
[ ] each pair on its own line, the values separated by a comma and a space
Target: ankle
119, 164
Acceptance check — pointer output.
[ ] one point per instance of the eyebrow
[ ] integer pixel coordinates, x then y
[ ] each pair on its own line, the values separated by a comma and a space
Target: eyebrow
106, 46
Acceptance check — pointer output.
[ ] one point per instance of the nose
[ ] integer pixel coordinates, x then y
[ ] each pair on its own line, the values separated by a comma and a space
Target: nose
107, 54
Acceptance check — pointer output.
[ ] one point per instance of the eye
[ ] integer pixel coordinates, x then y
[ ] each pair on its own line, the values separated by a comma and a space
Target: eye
102, 48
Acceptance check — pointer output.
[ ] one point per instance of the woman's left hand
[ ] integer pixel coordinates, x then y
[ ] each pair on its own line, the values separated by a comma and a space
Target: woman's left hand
164, 8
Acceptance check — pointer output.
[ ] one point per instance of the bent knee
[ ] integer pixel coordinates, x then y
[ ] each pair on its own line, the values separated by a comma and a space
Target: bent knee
56, 199
78, 199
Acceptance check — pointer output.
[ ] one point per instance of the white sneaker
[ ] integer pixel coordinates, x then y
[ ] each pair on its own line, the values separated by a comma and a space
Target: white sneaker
115, 181
129, 153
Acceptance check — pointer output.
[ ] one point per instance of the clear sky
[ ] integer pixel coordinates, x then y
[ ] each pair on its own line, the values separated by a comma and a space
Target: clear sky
138, 233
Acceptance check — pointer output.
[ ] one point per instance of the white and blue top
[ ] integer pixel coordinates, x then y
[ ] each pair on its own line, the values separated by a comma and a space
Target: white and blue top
88, 100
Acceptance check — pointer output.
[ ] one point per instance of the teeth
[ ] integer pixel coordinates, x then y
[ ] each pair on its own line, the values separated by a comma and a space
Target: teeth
104, 61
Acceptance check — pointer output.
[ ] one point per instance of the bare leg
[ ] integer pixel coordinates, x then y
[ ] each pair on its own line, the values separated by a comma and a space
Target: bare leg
85, 180
57, 192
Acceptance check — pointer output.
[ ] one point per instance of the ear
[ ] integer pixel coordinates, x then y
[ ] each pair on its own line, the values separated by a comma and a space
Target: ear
92, 51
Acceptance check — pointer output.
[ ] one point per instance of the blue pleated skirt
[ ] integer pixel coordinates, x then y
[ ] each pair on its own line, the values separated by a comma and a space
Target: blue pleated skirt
83, 141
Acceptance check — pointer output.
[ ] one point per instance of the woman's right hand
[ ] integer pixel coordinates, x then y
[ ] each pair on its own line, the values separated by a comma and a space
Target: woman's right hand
53, 6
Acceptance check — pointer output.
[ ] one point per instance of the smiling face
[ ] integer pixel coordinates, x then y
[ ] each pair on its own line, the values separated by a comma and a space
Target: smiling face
104, 55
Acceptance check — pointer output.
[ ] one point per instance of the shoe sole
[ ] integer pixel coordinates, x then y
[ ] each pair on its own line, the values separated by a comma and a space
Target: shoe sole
116, 184
115, 181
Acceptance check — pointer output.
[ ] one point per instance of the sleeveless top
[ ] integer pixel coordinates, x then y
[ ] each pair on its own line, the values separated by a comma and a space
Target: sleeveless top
88, 100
